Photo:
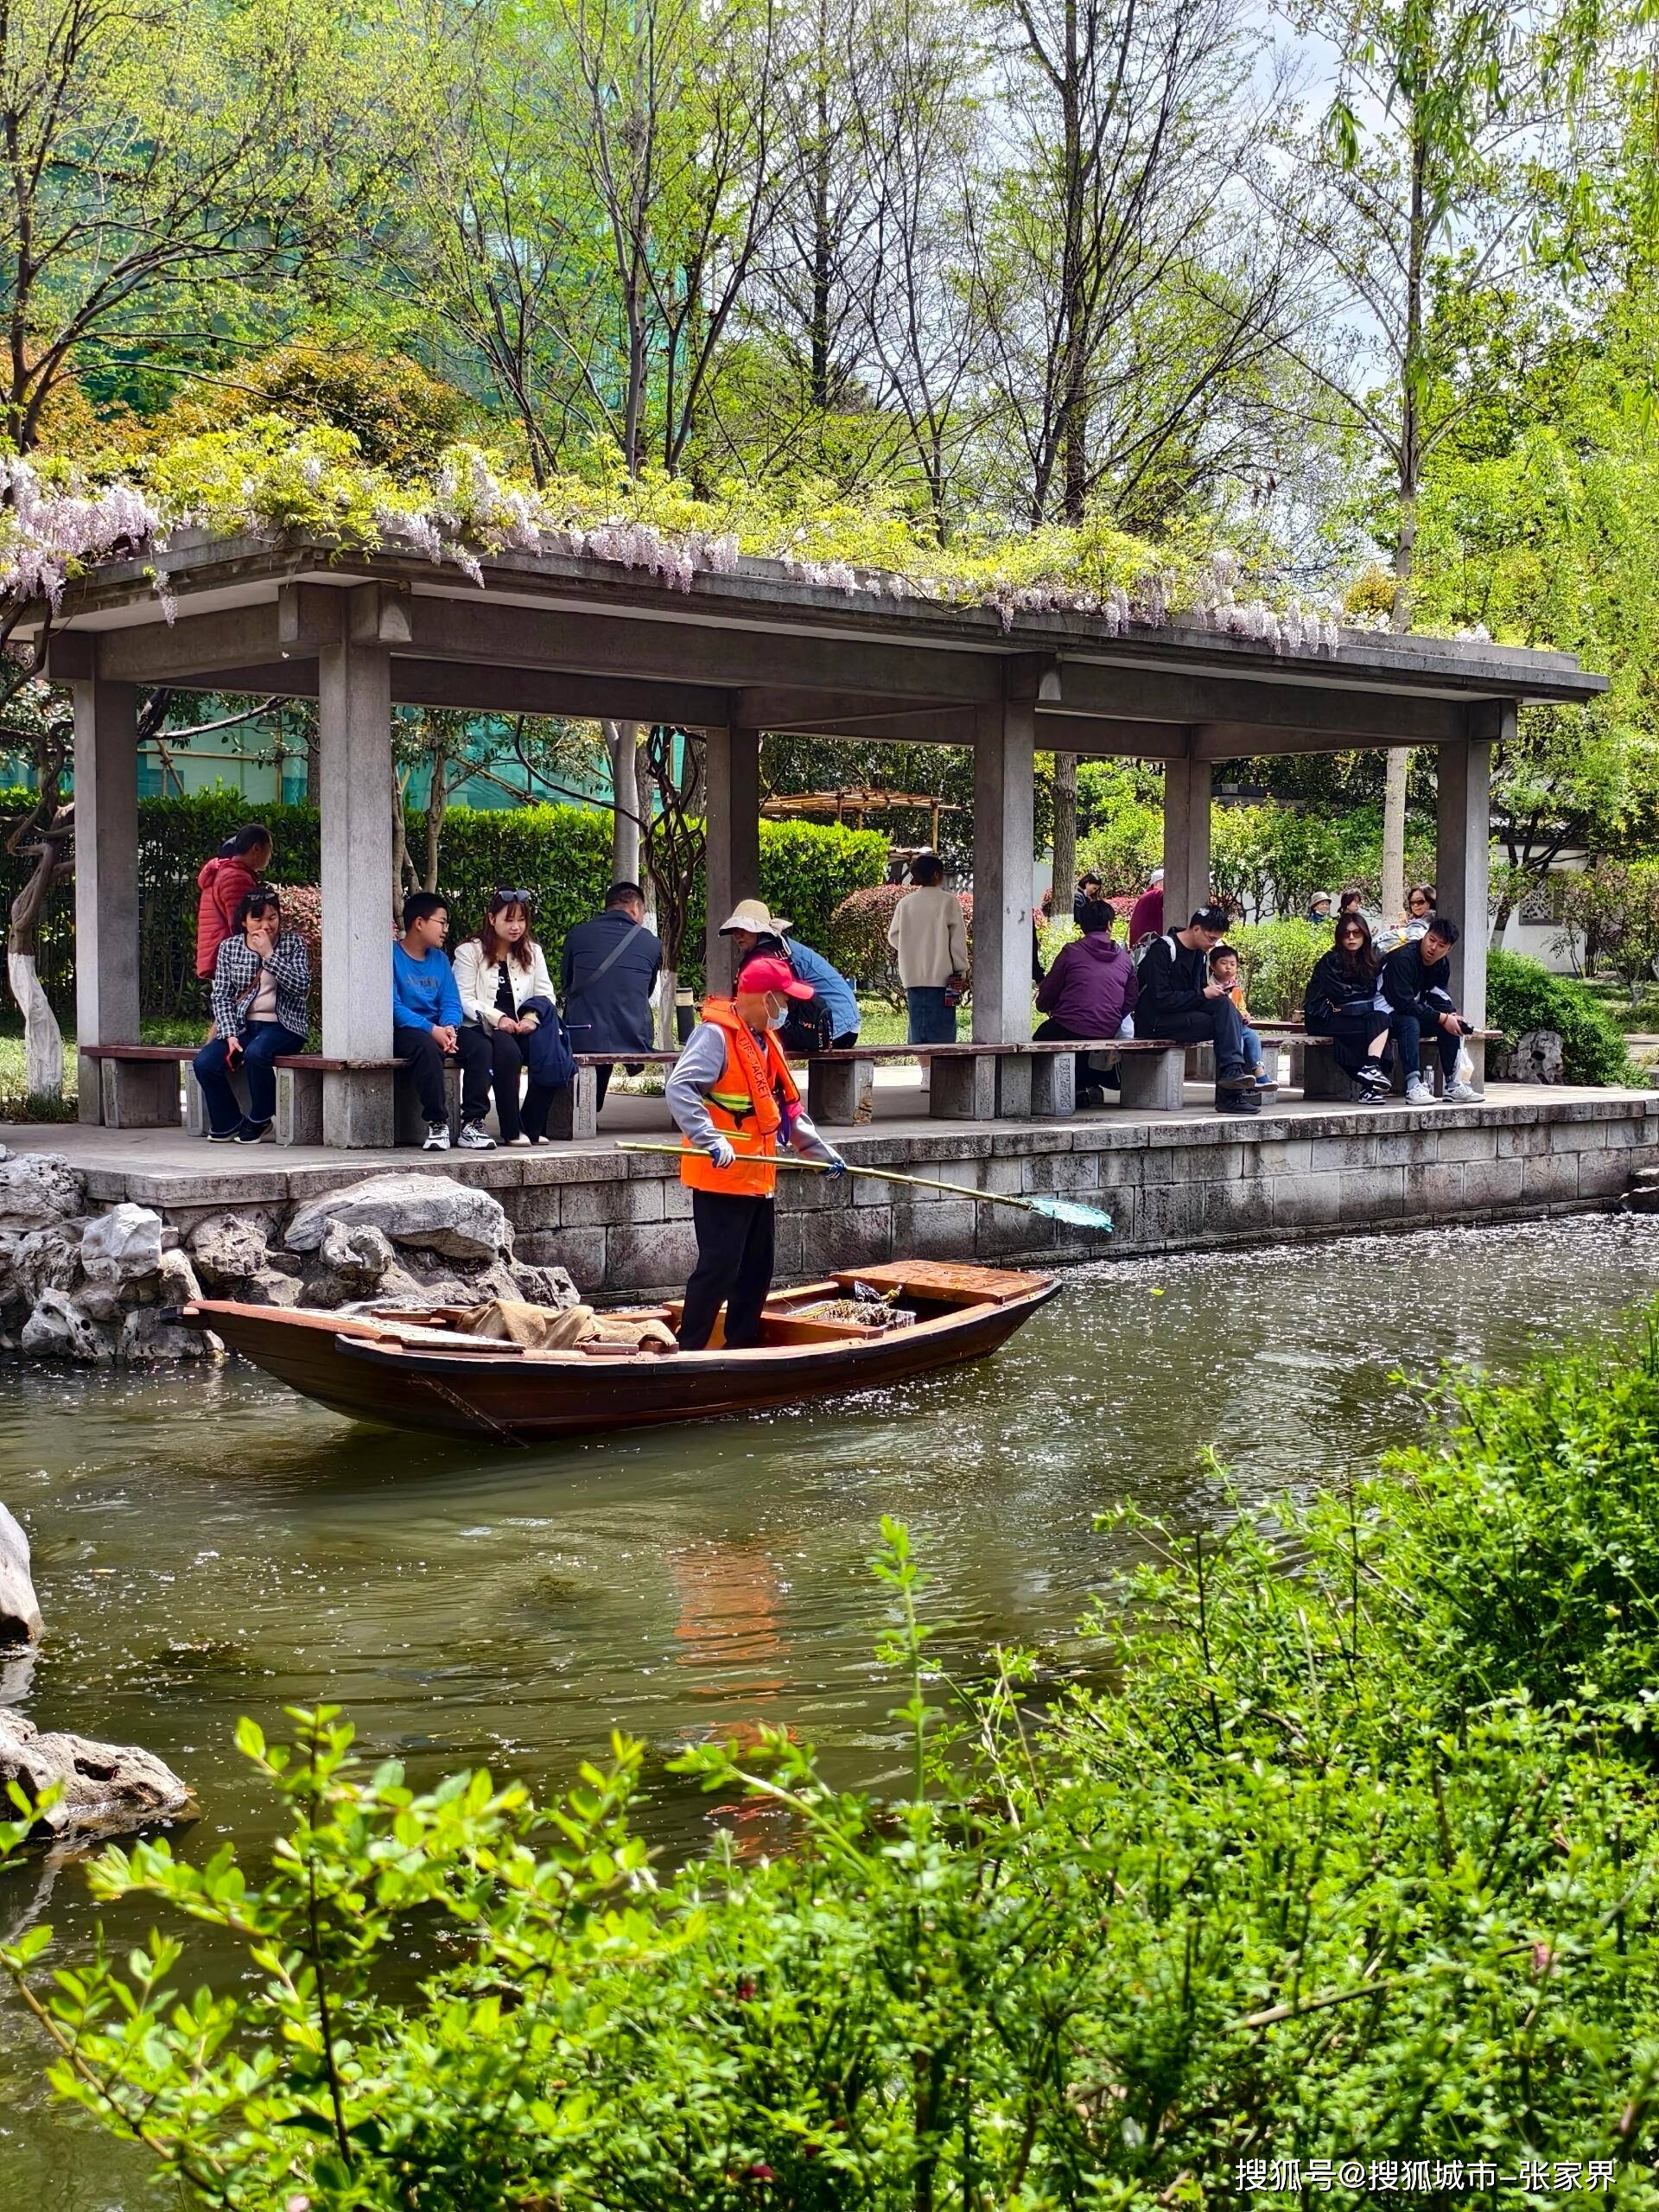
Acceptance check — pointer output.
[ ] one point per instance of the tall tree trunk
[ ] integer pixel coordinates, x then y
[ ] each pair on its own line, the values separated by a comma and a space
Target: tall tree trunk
42, 1039
1065, 834
1074, 412
822, 244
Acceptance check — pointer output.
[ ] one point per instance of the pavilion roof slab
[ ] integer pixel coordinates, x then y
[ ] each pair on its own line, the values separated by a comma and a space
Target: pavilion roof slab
764, 634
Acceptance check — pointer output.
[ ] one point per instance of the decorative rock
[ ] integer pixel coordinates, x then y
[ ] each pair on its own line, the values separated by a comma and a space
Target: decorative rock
549, 1286
357, 1255
108, 1789
228, 1250
124, 1245
38, 1188
20, 1610
59, 1329
40, 1259
145, 1334
1536, 1058
434, 1212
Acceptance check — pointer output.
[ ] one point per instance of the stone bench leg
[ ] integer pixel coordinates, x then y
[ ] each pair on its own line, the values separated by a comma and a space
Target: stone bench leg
1013, 1085
1200, 1063
962, 1090
299, 1106
837, 1090
575, 1111
1053, 1084
1154, 1081
405, 1114
1323, 1078
137, 1094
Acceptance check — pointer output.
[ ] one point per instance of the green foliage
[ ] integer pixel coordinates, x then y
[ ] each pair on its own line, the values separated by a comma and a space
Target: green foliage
1522, 994
1274, 962
1357, 1856
808, 870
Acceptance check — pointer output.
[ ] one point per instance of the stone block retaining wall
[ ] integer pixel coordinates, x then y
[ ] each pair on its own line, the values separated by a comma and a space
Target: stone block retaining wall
620, 1223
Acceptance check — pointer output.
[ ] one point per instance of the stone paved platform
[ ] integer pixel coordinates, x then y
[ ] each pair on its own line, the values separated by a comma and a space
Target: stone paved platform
619, 1222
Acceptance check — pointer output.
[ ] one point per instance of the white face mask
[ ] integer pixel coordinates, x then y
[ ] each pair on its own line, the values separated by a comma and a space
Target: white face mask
776, 1020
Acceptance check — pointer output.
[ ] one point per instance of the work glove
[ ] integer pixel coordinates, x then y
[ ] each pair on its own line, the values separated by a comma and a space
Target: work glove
837, 1165
722, 1151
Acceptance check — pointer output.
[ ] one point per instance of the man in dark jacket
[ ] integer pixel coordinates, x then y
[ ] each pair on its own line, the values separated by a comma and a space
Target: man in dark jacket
1086, 994
607, 971
1179, 999
1416, 982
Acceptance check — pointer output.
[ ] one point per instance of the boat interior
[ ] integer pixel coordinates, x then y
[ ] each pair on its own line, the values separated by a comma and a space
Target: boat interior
847, 1308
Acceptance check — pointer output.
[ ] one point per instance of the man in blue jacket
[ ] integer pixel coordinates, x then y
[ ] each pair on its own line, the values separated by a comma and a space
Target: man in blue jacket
428, 1026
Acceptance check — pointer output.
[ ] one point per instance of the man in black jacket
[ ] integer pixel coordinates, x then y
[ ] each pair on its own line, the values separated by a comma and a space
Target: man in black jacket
1416, 980
607, 971
1178, 999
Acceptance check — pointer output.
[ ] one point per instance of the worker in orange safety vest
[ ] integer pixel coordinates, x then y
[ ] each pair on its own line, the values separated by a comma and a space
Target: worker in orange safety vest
732, 1095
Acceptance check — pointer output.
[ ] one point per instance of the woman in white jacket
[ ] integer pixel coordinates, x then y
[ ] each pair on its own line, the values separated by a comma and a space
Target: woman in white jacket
497, 973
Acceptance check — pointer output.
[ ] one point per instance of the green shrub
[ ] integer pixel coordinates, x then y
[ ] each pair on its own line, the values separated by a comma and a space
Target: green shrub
1352, 1860
1274, 962
1522, 994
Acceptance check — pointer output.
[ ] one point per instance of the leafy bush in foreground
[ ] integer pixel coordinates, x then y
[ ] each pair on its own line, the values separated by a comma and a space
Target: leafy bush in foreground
1522, 995
1358, 1859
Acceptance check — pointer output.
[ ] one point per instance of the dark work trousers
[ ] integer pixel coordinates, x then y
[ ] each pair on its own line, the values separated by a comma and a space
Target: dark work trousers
1216, 1022
420, 1048
1409, 1030
735, 1237
1351, 1032
506, 1071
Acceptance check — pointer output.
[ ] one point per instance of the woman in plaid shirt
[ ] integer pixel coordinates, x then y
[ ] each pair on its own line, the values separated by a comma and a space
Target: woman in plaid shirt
261, 975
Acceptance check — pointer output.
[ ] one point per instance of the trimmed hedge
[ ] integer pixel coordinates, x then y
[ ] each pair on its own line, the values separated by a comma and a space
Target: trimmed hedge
561, 854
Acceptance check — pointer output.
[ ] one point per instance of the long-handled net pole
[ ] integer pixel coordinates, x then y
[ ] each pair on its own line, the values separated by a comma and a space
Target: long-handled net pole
1072, 1212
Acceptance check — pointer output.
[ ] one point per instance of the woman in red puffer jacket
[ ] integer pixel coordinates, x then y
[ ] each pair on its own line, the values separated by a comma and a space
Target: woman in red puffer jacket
224, 883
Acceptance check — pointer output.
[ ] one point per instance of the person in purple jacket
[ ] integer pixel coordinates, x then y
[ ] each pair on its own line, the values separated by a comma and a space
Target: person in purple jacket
1087, 994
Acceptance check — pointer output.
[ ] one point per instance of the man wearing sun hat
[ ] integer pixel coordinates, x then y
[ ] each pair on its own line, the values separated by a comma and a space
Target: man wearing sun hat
732, 1095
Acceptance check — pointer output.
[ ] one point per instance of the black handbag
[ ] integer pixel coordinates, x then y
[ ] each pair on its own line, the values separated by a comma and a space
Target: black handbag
809, 1029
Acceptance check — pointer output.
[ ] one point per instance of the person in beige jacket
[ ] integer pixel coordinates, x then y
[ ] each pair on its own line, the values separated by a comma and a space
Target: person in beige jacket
929, 937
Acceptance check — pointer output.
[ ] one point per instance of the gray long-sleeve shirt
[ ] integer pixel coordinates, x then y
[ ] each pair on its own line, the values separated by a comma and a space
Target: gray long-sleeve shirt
697, 1071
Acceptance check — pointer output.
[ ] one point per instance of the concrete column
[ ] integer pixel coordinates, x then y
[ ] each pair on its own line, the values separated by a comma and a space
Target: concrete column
355, 761
732, 857
1004, 743
106, 908
1463, 860
1186, 840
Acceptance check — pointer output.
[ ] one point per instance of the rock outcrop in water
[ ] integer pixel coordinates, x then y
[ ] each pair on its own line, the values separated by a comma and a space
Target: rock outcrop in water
101, 1289
20, 1610
107, 1788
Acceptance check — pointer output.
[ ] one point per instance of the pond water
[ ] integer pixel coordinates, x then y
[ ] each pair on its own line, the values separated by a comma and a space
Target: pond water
208, 1545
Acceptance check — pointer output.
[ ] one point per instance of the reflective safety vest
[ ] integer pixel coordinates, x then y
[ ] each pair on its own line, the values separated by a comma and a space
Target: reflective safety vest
747, 1106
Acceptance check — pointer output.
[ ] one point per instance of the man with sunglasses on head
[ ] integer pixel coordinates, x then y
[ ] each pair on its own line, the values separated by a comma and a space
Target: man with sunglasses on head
731, 1096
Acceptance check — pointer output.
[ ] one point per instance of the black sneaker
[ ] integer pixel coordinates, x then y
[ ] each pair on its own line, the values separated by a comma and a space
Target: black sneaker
252, 1132
224, 1136
1237, 1097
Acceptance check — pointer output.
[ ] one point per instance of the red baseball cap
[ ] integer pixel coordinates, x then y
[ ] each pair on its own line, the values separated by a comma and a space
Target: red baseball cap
769, 973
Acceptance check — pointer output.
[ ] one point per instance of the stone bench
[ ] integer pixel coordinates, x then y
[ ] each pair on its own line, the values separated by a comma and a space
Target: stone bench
575, 1111
1026, 1080
138, 1088
1313, 1066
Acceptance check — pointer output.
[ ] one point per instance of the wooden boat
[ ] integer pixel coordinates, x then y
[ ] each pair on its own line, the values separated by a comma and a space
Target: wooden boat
417, 1369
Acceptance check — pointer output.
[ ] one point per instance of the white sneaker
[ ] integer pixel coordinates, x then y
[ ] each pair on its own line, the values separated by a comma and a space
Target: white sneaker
437, 1137
1462, 1094
474, 1137
520, 1139
1418, 1093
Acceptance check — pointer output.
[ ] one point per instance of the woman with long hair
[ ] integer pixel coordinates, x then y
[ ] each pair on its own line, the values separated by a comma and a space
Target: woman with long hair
1343, 1001
261, 977
506, 991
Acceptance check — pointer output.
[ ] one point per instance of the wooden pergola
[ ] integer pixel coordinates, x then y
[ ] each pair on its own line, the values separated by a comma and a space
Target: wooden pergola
733, 656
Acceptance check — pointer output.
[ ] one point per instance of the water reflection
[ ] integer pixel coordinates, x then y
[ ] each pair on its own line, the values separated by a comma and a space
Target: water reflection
207, 1546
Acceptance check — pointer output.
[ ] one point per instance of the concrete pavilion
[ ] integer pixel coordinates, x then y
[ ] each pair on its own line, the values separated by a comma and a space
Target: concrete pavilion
733, 656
